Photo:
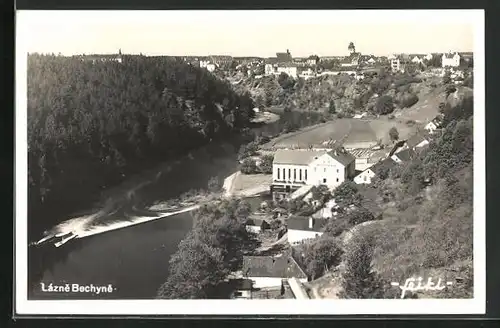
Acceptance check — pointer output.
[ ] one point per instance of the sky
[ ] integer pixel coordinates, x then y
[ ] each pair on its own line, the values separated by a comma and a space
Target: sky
246, 33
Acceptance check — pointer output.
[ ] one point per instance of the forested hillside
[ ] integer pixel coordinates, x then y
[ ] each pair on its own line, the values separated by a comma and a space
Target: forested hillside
90, 123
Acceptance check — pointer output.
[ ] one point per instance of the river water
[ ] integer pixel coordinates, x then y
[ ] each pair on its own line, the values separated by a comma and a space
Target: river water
133, 260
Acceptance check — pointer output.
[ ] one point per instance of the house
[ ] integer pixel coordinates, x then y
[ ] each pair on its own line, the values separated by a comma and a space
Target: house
204, 63
416, 141
450, 60
242, 289
395, 64
404, 156
269, 69
313, 60
293, 169
257, 225
429, 56
417, 60
326, 211
270, 271
367, 157
399, 62
377, 169
371, 61
300, 62
433, 125
102, 58
301, 228
210, 67
351, 61
221, 60
288, 69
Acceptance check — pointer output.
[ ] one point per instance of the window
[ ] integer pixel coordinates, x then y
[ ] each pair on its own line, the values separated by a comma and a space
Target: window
305, 174
284, 177
324, 170
238, 294
324, 180
289, 174
278, 173
337, 170
337, 179
294, 174
364, 178
300, 174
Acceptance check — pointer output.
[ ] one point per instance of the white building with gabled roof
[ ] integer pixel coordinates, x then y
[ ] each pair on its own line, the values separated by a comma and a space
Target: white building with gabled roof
293, 169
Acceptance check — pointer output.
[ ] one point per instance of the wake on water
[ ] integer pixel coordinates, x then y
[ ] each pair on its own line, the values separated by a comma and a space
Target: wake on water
117, 213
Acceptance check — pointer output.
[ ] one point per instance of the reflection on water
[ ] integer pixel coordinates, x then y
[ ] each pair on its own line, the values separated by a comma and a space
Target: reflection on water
134, 260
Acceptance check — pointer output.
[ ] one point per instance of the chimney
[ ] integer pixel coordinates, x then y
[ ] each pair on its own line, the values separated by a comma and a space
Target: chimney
310, 223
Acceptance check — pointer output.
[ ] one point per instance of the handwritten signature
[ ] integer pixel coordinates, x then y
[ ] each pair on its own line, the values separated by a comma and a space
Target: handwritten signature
415, 284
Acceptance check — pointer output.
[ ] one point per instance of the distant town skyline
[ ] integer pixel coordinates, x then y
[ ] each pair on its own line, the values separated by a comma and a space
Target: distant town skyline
245, 33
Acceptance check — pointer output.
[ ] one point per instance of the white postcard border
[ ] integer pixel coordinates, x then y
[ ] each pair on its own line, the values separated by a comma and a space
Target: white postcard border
23, 306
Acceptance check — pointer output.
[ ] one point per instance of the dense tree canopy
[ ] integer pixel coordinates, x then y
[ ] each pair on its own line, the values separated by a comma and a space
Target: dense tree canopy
88, 123
210, 251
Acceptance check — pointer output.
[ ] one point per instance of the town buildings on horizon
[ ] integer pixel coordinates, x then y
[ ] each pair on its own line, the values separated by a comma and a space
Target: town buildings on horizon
246, 34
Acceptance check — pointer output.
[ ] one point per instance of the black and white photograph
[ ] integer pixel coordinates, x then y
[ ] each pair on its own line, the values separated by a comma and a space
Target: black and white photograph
312, 162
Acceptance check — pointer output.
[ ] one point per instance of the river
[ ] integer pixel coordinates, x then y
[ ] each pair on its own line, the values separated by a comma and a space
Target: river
135, 259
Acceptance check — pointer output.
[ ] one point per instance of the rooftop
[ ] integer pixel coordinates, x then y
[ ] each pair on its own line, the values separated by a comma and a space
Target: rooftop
284, 57
450, 54
406, 155
385, 164
415, 140
272, 267
296, 222
305, 157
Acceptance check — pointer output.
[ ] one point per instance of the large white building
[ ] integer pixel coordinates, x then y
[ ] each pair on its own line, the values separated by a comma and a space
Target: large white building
450, 60
293, 169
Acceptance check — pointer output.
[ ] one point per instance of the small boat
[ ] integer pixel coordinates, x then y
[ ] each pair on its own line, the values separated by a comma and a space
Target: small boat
44, 239
65, 239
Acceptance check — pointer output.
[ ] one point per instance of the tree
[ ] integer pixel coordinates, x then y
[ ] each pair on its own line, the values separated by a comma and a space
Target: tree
195, 270
347, 194
248, 166
320, 255
351, 47
384, 105
359, 281
394, 134
446, 78
331, 107
450, 88
266, 164
214, 184
320, 193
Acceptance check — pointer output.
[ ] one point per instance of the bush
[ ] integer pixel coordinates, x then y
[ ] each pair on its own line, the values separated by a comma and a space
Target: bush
266, 164
319, 256
450, 89
248, 150
384, 105
410, 122
214, 184
359, 281
409, 100
248, 166
394, 134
